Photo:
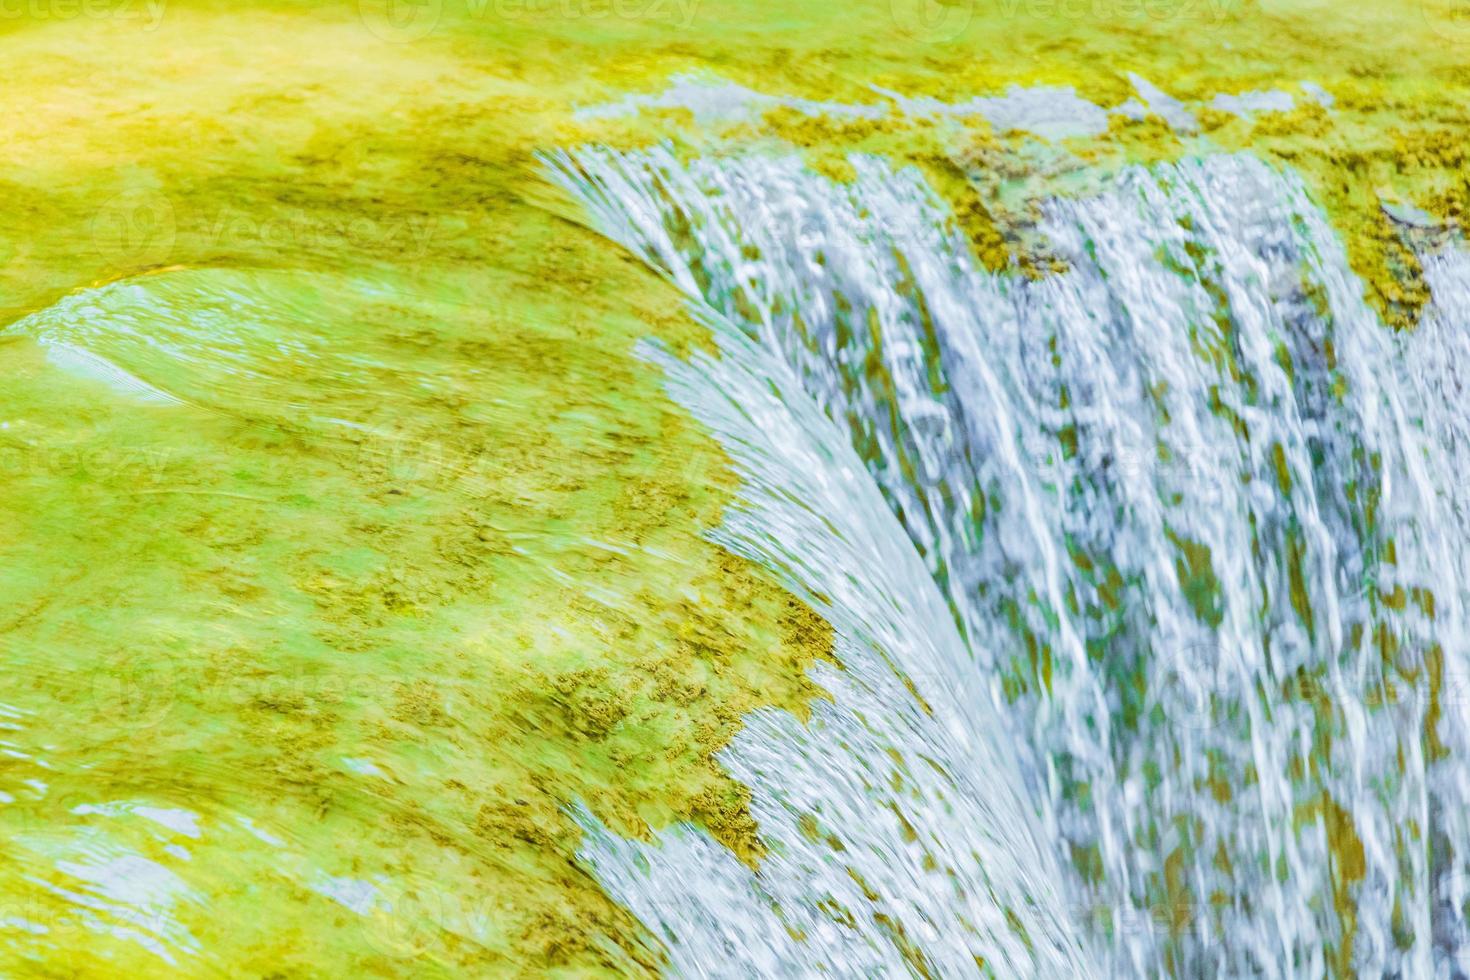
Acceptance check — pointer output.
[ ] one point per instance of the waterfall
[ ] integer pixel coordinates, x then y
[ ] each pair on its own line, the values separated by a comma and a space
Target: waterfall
1148, 576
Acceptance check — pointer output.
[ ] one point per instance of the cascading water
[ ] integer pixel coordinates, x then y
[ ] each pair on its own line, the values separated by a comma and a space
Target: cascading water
1172, 562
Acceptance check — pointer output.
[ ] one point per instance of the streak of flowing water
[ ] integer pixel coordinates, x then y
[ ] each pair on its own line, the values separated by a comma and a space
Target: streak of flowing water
917, 847
1173, 556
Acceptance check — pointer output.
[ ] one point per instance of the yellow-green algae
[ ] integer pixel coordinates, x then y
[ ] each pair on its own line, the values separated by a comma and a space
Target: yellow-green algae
1396, 76
401, 655
227, 615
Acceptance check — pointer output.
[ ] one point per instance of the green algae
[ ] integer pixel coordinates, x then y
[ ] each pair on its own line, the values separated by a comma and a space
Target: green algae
1396, 79
1197, 580
499, 600
398, 598
263, 611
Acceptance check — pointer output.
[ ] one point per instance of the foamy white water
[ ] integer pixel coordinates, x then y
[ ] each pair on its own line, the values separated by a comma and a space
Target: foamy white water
1172, 544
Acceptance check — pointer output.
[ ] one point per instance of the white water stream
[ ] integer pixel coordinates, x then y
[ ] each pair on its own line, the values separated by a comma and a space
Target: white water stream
1172, 545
